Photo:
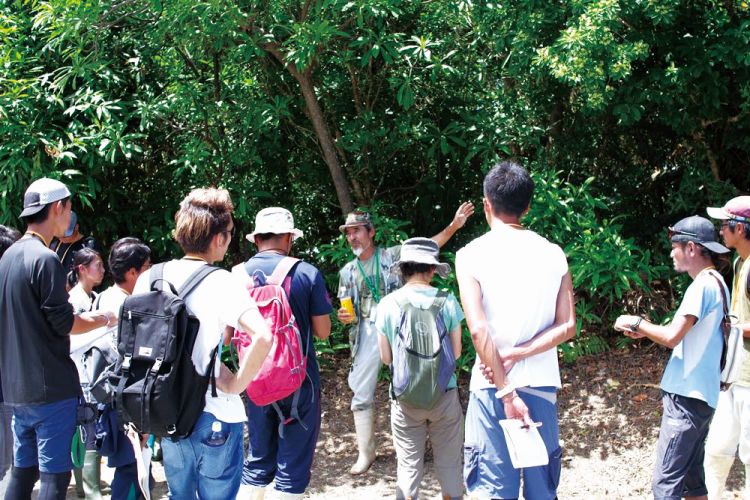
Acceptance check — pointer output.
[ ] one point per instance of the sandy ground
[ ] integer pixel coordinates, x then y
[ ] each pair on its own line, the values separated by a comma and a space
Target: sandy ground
609, 417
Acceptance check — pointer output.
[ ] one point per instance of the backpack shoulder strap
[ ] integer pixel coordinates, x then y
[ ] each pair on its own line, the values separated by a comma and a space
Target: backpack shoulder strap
723, 293
195, 279
157, 274
439, 300
281, 270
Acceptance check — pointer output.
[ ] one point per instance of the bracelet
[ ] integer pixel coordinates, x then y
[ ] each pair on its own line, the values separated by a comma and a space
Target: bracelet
509, 388
634, 326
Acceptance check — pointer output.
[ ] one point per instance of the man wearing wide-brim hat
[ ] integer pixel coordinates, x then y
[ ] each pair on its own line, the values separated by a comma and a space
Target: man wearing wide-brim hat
286, 458
729, 433
365, 280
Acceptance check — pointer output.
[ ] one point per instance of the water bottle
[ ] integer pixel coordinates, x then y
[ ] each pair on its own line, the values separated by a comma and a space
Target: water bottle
218, 437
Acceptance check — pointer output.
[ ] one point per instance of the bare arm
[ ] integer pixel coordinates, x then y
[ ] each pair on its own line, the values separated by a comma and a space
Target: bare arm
321, 326
668, 336
253, 323
85, 322
564, 328
464, 212
386, 356
455, 336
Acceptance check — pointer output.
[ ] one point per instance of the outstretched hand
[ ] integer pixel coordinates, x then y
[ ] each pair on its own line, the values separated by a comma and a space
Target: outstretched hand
465, 210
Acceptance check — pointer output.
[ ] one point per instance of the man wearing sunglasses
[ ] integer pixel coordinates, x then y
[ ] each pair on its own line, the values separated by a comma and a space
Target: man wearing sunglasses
730, 428
690, 384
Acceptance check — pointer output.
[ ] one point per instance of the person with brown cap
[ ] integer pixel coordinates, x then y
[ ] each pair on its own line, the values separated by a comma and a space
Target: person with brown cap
729, 432
690, 384
36, 322
364, 281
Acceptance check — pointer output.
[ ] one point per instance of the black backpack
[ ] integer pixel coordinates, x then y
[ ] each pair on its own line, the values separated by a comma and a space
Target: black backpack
158, 389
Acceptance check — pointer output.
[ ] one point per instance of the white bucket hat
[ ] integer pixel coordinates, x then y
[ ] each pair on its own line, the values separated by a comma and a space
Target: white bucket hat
274, 220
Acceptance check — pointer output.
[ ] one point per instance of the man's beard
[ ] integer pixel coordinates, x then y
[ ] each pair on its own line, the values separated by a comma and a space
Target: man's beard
359, 251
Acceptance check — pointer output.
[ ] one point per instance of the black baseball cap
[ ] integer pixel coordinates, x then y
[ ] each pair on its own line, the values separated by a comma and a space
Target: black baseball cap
697, 229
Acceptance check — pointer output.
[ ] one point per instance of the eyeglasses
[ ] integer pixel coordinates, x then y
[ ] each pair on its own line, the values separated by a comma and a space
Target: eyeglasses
672, 232
730, 223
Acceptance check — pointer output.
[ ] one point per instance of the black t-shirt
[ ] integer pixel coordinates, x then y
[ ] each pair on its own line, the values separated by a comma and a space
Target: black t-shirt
35, 323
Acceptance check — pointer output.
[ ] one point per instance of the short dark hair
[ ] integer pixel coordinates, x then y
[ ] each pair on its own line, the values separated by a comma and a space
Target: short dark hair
269, 236
409, 269
508, 187
733, 223
719, 261
8, 236
42, 215
82, 257
126, 254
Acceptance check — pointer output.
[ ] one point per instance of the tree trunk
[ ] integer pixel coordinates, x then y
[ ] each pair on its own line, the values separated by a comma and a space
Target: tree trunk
326, 141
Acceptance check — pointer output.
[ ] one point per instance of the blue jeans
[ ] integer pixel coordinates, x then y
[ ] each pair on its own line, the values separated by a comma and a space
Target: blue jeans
192, 466
488, 470
42, 435
288, 460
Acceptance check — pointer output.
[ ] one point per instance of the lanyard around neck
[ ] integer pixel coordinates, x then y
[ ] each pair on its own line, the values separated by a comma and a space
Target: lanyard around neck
373, 287
37, 235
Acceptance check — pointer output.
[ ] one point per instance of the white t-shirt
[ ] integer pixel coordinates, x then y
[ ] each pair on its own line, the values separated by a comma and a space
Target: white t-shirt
218, 301
520, 274
109, 300
81, 302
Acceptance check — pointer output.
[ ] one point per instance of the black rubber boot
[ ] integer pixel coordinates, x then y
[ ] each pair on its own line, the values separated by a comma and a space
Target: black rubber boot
22, 481
54, 486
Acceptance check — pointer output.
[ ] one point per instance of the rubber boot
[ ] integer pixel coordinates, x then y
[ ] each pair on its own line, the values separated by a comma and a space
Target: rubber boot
92, 468
716, 468
364, 424
250, 492
747, 482
78, 477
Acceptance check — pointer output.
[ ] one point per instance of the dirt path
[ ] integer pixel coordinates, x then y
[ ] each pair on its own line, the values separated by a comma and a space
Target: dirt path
610, 412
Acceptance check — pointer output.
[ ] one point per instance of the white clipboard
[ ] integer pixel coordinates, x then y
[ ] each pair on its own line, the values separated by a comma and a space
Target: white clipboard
525, 445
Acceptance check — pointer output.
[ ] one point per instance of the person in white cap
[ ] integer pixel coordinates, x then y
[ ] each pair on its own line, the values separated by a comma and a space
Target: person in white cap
729, 432
364, 281
285, 458
40, 380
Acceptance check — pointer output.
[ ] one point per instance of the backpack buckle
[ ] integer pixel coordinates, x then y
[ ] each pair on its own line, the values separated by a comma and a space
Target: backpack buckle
126, 362
157, 365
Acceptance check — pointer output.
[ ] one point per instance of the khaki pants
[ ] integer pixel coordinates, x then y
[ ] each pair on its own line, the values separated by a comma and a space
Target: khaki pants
410, 427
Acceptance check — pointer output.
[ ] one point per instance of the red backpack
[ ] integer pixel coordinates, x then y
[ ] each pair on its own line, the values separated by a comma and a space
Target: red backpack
285, 367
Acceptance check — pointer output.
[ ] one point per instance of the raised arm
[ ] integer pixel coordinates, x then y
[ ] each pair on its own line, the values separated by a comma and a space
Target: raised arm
465, 210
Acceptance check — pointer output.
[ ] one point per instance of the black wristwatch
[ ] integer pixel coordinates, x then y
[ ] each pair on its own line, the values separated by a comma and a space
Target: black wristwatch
634, 326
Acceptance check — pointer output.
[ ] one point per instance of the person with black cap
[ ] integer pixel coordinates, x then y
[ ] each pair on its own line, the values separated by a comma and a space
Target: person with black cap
690, 384
729, 433
40, 380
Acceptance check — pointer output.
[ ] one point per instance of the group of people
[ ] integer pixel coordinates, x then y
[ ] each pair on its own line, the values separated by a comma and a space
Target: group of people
516, 296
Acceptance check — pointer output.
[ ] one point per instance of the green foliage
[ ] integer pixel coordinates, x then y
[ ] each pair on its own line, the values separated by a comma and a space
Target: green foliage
641, 108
